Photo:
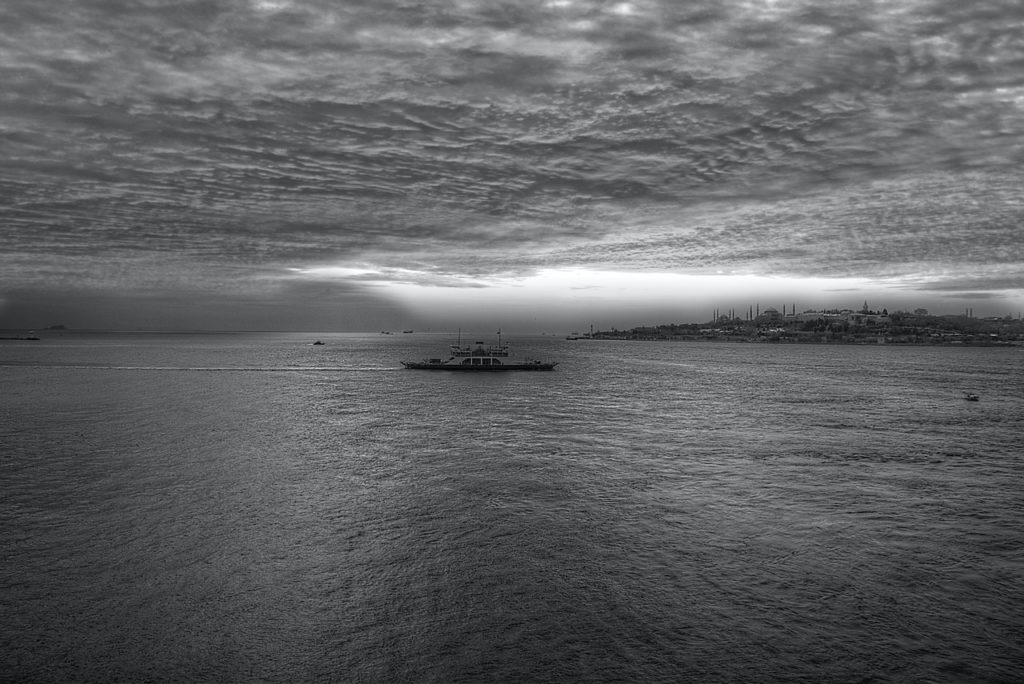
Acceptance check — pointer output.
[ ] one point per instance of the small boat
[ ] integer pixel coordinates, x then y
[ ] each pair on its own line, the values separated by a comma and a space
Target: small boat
480, 358
317, 343
970, 396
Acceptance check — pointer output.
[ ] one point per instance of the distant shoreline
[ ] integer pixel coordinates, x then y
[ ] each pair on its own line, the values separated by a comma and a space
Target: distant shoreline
864, 342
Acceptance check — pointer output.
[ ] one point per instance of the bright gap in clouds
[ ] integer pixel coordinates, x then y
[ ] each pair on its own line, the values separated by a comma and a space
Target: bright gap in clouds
573, 298
644, 291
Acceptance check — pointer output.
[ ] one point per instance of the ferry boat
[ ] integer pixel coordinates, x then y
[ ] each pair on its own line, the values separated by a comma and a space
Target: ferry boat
480, 358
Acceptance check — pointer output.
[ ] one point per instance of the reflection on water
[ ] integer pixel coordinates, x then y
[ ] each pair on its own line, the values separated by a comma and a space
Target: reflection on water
645, 512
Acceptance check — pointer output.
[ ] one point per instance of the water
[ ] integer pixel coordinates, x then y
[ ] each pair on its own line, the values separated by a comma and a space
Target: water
251, 507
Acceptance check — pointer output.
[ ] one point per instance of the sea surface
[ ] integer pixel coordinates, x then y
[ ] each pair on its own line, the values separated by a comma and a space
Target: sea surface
251, 507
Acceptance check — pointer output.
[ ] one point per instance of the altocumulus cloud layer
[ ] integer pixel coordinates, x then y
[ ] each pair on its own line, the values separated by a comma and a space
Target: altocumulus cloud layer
175, 158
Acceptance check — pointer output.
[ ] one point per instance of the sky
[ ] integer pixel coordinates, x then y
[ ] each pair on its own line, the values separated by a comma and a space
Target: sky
537, 165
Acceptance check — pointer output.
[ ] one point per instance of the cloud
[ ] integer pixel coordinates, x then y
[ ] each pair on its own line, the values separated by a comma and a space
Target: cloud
156, 145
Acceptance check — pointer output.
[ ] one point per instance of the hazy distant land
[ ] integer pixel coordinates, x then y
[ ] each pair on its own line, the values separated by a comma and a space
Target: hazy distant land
835, 327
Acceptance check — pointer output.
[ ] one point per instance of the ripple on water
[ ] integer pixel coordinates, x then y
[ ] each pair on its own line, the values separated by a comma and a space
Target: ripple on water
711, 512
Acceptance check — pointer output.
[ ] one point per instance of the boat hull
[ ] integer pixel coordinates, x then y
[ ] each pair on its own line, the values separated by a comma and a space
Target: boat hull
424, 365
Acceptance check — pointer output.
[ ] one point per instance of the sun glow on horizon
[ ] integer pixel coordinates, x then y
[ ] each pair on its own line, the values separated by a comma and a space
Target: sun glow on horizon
574, 297
574, 292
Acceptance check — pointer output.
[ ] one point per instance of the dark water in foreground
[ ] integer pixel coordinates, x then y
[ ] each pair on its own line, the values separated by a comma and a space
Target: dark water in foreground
250, 507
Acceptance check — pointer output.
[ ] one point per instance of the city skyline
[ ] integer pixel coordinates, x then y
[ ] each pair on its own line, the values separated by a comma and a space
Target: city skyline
540, 166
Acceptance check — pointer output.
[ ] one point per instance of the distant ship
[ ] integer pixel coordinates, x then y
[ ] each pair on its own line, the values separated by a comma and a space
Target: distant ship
31, 336
576, 336
480, 358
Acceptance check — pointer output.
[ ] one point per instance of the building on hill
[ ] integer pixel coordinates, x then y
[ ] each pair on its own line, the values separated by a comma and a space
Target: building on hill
867, 318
